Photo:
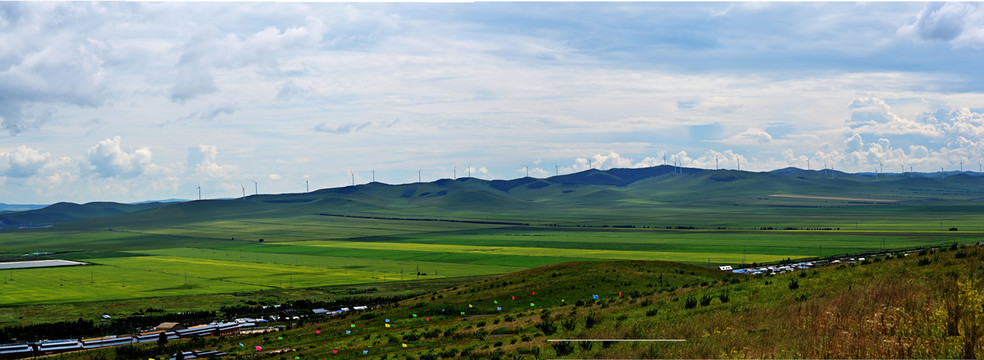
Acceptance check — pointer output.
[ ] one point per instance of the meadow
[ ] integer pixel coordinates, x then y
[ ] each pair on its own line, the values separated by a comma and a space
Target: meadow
456, 230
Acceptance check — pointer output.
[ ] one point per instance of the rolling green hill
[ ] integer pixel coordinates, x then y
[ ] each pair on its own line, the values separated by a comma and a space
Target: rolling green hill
585, 196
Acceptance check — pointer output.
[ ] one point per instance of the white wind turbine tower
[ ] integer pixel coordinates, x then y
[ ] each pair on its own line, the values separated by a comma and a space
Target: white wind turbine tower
468, 169
244, 190
199, 192
527, 168
353, 176
256, 187
454, 172
807, 164
307, 187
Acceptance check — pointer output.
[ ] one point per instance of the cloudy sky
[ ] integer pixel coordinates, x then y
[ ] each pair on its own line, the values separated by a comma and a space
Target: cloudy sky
138, 101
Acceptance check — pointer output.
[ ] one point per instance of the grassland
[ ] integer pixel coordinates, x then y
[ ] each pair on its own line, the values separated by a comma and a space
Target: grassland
453, 230
924, 305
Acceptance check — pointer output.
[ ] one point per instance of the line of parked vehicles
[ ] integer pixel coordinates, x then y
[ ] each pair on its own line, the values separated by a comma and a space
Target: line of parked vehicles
47, 347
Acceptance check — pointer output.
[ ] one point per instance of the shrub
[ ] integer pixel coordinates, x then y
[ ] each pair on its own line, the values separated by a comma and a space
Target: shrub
690, 303
793, 285
547, 326
705, 300
563, 348
591, 320
725, 297
569, 324
652, 312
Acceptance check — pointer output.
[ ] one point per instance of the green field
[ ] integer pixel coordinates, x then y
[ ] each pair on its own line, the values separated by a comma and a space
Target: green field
377, 233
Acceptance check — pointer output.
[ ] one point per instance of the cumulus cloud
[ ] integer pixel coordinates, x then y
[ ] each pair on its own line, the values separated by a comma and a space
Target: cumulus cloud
341, 129
202, 162
108, 159
210, 48
23, 162
874, 116
46, 64
961, 24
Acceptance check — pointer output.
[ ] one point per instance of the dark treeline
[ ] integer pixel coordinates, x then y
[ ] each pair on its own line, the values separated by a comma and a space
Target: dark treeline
87, 328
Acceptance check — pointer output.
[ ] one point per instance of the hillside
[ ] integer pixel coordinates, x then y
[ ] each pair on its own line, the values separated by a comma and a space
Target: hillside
583, 196
66, 212
924, 305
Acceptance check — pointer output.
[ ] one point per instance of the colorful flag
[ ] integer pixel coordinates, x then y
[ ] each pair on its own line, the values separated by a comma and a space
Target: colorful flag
365, 352
353, 325
387, 320
334, 351
414, 315
241, 345
462, 313
348, 332
619, 293
514, 297
280, 338
404, 345
427, 319
498, 308
317, 331
258, 348
595, 297
534, 293
495, 301
387, 325
532, 304
469, 305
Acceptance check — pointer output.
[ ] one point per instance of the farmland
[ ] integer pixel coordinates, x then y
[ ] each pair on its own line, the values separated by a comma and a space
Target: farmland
376, 234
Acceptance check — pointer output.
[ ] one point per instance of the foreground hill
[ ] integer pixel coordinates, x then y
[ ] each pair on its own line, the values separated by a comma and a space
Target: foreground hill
925, 305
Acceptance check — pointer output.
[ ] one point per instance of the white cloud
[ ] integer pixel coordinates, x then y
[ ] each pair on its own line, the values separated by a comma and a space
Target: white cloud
108, 159
23, 162
44, 64
874, 116
202, 162
959, 23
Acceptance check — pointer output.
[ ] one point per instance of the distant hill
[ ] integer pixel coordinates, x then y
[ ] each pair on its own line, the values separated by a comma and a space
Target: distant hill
65, 212
6, 208
596, 192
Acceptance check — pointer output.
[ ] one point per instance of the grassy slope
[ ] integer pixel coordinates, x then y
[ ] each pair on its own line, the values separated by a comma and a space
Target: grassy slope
894, 308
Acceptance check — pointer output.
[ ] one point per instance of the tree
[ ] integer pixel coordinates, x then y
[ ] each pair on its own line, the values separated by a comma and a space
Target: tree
162, 340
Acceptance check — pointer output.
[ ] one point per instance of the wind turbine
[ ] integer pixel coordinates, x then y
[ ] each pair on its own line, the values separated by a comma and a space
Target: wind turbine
199, 192
307, 188
256, 187
353, 176
715, 163
807, 164
556, 170
418, 175
739, 162
373, 175
244, 190
469, 170
589, 165
454, 172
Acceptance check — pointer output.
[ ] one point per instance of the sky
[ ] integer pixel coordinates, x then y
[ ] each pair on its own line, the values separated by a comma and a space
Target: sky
134, 101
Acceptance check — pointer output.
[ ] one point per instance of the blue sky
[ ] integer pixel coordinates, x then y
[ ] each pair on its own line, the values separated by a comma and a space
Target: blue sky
136, 101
